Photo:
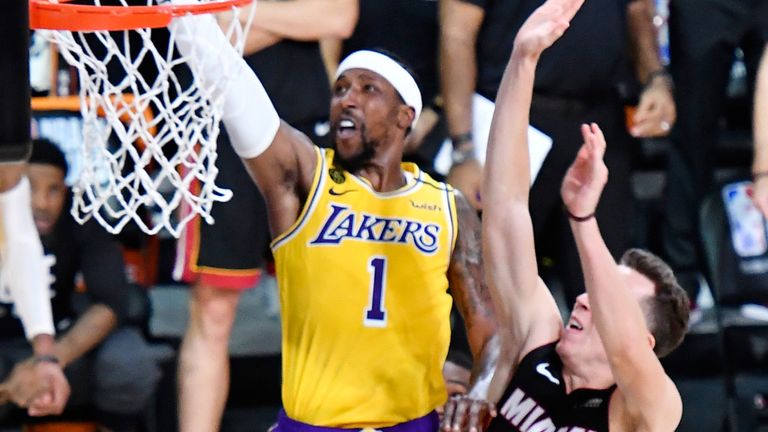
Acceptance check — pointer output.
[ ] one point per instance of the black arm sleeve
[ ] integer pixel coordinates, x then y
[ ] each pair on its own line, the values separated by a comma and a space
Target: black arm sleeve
103, 268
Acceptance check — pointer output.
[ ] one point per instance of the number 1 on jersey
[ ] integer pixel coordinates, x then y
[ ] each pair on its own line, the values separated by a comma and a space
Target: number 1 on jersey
376, 315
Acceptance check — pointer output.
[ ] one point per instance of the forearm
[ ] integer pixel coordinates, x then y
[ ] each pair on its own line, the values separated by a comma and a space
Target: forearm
247, 111
615, 311
331, 51
307, 20
258, 40
643, 38
490, 372
507, 167
760, 163
25, 267
458, 67
89, 330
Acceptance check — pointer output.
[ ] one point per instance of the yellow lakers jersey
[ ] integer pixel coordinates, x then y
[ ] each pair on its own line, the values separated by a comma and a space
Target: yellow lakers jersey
363, 290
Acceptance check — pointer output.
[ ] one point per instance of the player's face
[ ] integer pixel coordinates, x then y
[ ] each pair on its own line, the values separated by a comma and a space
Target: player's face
49, 193
364, 115
580, 335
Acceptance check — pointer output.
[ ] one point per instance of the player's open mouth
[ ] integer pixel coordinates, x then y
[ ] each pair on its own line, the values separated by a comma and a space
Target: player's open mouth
575, 325
346, 128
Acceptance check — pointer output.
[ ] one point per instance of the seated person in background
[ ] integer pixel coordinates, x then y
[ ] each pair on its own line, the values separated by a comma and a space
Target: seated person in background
25, 284
108, 365
601, 370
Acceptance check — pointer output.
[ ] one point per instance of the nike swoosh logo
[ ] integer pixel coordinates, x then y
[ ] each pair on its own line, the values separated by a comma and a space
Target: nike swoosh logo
541, 368
334, 193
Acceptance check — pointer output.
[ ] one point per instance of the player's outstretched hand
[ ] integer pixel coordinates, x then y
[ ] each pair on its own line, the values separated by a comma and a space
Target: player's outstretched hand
545, 25
465, 414
585, 179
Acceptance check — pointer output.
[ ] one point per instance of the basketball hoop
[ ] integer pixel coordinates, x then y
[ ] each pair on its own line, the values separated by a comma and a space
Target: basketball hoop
161, 161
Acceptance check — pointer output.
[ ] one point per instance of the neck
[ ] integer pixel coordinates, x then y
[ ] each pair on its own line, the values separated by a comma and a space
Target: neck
383, 171
383, 177
586, 374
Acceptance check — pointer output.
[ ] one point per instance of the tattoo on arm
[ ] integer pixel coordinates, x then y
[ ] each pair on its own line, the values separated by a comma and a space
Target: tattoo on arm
467, 279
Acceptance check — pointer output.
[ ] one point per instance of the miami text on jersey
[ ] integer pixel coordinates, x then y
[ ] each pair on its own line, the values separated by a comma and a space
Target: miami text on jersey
526, 415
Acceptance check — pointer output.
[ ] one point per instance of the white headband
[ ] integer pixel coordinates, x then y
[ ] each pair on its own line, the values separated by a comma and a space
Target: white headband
390, 70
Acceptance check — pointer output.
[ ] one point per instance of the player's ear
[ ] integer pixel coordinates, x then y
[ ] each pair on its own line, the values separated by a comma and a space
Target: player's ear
651, 341
405, 116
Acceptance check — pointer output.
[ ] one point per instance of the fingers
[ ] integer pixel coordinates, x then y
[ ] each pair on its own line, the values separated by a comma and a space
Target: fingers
594, 140
460, 415
651, 126
60, 394
41, 405
450, 409
479, 416
655, 116
465, 414
598, 140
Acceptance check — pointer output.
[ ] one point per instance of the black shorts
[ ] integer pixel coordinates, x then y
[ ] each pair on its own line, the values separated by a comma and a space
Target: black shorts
231, 252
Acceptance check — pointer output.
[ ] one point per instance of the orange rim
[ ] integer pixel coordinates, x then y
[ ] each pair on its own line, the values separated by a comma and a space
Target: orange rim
75, 17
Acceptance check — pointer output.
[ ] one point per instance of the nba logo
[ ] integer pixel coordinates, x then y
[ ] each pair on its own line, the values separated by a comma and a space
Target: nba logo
747, 225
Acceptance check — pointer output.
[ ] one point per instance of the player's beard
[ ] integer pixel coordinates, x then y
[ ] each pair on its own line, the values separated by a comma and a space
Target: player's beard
360, 160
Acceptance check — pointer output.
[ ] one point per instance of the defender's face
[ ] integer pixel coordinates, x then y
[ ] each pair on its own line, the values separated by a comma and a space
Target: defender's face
49, 193
580, 337
363, 114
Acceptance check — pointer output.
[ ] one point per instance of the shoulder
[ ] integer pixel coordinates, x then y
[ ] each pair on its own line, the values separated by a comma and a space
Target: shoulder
663, 415
467, 219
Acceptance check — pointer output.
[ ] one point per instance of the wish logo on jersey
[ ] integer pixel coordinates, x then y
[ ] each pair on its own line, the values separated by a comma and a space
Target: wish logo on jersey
345, 224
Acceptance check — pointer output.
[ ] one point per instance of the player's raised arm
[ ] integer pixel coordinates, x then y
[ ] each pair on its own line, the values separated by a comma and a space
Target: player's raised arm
526, 309
280, 159
646, 397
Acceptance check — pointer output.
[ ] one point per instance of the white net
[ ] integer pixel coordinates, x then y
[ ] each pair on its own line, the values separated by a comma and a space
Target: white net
149, 129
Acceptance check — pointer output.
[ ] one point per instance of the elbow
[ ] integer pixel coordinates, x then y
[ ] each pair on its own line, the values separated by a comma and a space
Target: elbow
346, 19
345, 28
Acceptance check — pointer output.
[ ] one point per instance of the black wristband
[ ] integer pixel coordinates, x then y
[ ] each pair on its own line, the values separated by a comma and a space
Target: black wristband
575, 218
758, 175
457, 140
48, 358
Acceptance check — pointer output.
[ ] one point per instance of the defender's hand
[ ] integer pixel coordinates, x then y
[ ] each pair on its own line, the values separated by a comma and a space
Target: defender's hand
545, 26
464, 414
585, 179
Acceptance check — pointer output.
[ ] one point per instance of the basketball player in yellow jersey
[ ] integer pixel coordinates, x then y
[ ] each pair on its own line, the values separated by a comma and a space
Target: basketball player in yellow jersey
366, 248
